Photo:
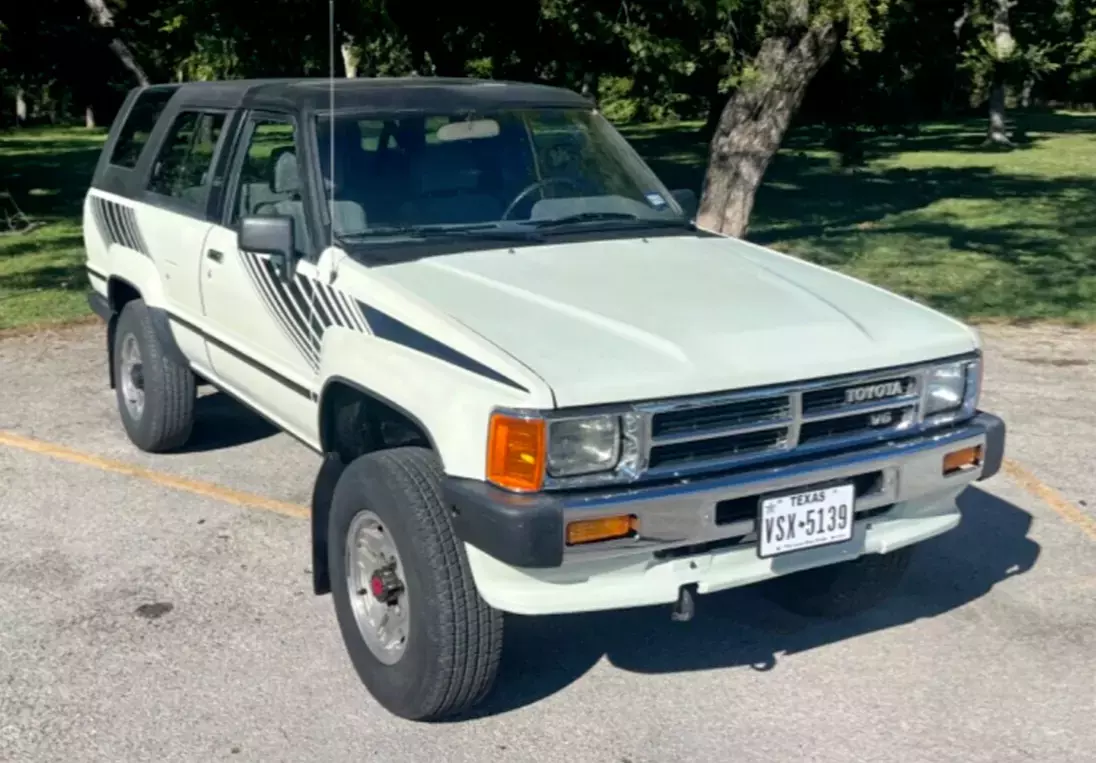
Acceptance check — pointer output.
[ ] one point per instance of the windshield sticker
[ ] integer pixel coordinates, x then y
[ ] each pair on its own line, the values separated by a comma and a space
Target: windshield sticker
656, 200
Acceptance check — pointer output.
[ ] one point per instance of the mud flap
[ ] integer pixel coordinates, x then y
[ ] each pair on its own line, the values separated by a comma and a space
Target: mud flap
322, 493
112, 326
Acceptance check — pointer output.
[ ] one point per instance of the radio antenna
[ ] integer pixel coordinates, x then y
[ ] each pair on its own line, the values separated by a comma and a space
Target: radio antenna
331, 119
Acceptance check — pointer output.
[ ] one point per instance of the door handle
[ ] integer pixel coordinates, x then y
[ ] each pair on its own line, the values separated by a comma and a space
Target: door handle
215, 255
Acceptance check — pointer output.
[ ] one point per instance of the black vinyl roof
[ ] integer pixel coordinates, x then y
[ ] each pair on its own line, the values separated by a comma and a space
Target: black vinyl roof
405, 94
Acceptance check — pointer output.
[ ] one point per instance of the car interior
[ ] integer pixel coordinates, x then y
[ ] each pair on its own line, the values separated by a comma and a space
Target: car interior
414, 171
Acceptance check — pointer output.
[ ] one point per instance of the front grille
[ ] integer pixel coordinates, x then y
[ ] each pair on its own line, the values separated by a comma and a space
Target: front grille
692, 451
734, 429
698, 421
859, 422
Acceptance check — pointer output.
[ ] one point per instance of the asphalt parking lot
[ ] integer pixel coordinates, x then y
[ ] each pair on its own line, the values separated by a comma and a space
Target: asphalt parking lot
159, 608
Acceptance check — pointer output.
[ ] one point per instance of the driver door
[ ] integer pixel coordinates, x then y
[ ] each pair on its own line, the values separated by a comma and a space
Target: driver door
262, 344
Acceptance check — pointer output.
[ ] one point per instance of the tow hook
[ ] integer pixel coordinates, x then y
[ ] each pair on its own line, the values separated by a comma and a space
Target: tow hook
685, 606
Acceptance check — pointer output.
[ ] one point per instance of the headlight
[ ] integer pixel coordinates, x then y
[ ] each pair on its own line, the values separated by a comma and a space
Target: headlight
583, 446
951, 391
527, 451
945, 388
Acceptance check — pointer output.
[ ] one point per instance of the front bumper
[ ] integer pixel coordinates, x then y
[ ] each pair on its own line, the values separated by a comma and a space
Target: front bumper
701, 515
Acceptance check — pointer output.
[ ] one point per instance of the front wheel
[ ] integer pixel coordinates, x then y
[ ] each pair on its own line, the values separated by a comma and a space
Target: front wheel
421, 639
841, 589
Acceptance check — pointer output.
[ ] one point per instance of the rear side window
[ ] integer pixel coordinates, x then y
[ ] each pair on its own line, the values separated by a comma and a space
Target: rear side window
138, 126
183, 168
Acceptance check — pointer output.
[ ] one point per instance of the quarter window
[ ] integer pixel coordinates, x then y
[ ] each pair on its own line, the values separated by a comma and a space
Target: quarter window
138, 126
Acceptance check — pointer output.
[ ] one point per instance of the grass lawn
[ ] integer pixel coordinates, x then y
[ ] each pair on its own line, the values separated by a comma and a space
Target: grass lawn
42, 280
980, 234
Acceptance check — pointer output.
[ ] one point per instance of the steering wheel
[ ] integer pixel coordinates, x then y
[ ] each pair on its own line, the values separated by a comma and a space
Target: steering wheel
534, 186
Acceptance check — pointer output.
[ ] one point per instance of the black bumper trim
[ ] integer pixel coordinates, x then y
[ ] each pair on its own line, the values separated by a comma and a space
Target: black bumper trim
522, 530
99, 305
994, 456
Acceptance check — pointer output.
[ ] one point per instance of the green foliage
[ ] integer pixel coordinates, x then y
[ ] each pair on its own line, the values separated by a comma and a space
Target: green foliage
1082, 52
644, 59
980, 234
616, 100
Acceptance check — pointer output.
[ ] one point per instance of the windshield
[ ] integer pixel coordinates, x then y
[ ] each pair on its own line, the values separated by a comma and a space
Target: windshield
509, 169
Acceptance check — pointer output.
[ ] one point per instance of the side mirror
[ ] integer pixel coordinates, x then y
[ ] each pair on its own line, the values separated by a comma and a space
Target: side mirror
269, 235
688, 201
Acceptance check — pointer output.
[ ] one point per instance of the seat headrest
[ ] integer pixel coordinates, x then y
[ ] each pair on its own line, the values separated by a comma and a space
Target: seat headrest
287, 176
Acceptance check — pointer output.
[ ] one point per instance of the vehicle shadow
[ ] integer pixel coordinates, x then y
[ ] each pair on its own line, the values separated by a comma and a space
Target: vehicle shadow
222, 422
740, 628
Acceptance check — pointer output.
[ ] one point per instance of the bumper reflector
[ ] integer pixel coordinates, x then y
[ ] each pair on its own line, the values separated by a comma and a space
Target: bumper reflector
960, 460
604, 528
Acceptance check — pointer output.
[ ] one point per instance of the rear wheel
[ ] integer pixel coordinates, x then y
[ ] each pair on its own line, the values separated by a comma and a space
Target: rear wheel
842, 589
423, 642
155, 394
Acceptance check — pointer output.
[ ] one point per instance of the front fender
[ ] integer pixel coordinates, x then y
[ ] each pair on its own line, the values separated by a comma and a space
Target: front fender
452, 402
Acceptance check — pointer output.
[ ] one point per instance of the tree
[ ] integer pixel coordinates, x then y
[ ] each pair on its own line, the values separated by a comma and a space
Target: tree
1082, 55
1002, 51
103, 18
798, 38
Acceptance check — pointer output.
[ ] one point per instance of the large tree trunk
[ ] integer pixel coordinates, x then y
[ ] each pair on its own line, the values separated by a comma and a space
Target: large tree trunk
998, 129
1004, 46
104, 19
753, 124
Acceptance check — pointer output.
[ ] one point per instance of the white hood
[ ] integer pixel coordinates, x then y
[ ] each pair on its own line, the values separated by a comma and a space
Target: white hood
637, 319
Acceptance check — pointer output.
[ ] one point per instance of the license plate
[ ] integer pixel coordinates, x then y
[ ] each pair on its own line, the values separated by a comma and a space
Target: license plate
805, 519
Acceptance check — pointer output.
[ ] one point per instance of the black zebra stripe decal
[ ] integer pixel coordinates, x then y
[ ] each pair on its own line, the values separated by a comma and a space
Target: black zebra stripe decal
117, 224
384, 326
305, 308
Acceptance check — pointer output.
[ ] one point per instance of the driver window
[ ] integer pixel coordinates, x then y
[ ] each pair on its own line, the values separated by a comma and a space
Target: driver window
262, 185
270, 178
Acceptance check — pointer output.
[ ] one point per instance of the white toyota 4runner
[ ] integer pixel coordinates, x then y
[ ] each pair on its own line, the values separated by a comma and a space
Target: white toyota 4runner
536, 387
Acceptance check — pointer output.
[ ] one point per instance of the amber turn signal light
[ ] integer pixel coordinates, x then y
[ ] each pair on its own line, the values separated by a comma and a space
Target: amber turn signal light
516, 452
959, 460
604, 528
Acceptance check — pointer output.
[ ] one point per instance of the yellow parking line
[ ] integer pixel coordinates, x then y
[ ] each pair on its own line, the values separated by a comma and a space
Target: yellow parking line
1028, 481
1061, 505
197, 487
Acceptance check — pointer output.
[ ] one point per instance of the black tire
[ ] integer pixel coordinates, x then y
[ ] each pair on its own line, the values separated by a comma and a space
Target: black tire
454, 638
167, 418
843, 589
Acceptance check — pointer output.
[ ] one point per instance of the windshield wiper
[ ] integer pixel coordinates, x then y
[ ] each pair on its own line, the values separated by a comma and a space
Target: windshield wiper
583, 217
488, 231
